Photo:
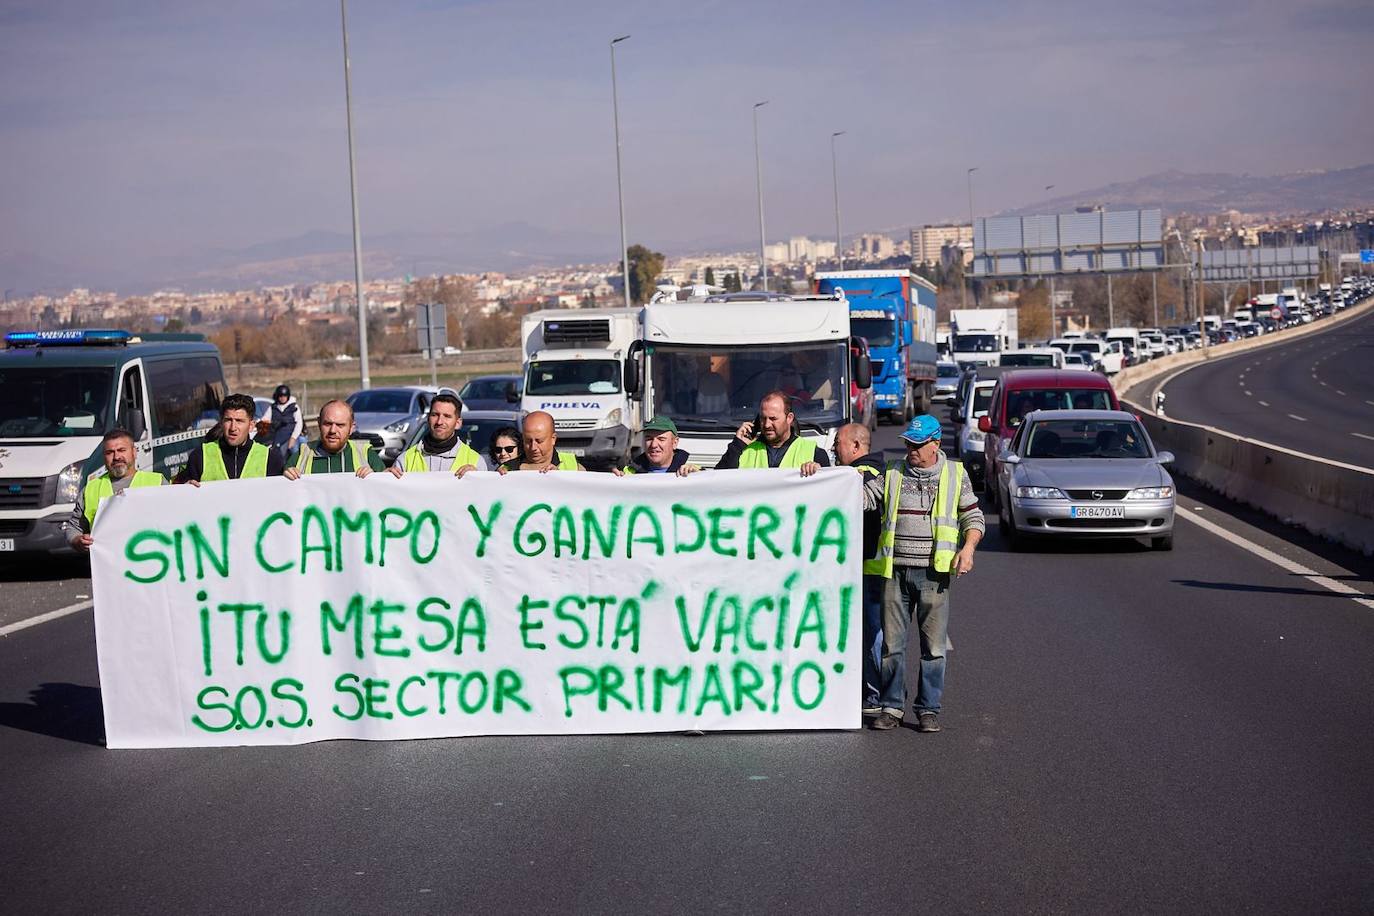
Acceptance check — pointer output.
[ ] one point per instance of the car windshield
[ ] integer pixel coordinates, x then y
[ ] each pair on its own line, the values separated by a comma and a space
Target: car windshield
1087, 439
1023, 401
54, 401
975, 343
1026, 359
573, 376
947, 370
478, 433
488, 389
879, 332
379, 400
717, 387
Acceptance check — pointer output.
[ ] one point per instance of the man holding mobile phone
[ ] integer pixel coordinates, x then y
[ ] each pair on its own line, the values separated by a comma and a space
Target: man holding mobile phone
771, 440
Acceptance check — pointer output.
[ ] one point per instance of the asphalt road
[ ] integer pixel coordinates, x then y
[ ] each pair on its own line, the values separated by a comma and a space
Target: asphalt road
1314, 394
1125, 731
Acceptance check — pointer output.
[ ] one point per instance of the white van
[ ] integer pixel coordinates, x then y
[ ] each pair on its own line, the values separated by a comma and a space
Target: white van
1130, 337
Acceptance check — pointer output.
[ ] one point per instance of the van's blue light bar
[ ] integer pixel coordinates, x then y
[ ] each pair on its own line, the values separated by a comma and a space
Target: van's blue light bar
66, 338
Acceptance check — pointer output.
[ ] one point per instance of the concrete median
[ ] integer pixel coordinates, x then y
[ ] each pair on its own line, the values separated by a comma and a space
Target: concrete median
1328, 498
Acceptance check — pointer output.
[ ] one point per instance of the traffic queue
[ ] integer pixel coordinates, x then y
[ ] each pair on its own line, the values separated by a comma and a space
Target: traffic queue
922, 521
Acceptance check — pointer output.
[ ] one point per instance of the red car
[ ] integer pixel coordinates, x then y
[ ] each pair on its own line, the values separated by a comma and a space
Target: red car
1022, 390
865, 410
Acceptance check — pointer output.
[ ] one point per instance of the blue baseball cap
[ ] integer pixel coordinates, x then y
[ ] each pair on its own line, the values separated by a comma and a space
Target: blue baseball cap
921, 430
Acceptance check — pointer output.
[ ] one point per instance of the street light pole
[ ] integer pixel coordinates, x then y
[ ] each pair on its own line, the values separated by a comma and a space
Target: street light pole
835, 178
963, 287
365, 373
619, 185
1048, 188
758, 174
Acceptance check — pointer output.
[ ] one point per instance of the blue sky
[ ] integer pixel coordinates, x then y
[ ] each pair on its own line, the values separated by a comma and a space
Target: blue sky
171, 128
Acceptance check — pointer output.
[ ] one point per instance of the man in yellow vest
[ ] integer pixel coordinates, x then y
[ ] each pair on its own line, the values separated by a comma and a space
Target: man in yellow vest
931, 525
853, 442
229, 452
114, 479
335, 452
441, 449
774, 443
541, 451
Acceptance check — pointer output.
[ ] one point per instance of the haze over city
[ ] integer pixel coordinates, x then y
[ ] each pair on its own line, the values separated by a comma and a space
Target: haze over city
151, 135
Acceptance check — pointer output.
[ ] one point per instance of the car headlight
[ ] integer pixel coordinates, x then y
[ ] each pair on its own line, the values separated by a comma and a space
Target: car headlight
613, 418
975, 435
1039, 493
1151, 493
69, 483
399, 426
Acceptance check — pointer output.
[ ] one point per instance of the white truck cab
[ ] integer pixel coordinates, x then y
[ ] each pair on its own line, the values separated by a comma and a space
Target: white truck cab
707, 364
574, 371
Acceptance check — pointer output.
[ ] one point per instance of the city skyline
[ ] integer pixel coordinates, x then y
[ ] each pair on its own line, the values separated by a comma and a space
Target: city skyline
158, 133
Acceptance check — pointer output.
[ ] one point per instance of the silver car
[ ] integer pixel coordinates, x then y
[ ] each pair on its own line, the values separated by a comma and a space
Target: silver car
1085, 473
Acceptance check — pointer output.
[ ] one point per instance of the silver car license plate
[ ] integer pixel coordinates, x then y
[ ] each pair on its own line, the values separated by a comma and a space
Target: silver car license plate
1097, 511
6, 544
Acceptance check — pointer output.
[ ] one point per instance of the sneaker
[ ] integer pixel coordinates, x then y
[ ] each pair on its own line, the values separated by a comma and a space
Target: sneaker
885, 721
927, 722
871, 711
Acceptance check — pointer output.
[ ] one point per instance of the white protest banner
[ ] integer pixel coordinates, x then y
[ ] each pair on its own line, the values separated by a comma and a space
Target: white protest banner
280, 612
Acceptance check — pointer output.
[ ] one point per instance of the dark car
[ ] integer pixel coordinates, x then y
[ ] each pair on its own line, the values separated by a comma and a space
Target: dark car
491, 392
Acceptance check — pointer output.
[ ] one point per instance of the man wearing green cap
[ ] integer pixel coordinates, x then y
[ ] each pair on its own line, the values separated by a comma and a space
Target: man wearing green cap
661, 454
931, 525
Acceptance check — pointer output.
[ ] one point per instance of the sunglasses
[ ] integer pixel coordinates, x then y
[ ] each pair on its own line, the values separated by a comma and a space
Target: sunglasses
507, 448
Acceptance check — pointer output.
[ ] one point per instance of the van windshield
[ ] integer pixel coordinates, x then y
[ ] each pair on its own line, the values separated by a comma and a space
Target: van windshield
573, 376
54, 401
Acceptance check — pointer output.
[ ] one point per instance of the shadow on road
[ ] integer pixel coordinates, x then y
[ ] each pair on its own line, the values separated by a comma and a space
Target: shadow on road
1270, 589
44, 569
67, 711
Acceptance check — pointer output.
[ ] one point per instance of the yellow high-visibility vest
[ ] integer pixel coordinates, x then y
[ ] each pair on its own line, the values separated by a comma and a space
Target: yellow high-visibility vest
944, 520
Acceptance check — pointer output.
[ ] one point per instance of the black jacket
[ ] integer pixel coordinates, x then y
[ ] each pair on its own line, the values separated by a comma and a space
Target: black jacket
730, 460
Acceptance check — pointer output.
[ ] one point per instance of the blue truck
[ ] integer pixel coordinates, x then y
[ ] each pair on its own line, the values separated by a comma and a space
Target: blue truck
895, 312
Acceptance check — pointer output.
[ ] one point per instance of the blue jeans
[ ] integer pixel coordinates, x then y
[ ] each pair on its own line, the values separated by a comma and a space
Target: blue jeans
873, 639
921, 592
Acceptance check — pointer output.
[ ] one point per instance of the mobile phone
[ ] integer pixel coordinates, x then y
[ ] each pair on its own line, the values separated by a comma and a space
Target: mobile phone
758, 426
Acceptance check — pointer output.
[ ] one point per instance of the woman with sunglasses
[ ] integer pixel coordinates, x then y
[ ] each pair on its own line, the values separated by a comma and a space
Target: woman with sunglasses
505, 446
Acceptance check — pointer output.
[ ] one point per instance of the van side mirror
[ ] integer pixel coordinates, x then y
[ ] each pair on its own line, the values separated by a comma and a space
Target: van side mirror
136, 423
985, 424
512, 396
632, 369
860, 368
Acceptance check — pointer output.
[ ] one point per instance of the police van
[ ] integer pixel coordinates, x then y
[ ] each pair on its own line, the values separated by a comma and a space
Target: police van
60, 391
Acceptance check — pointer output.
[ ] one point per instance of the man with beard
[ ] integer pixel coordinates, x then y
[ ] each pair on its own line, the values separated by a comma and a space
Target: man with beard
335, 452
118, 475
774, 443
440, 449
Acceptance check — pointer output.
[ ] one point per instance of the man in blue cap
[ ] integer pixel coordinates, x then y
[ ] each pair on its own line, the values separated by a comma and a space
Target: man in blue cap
930, 529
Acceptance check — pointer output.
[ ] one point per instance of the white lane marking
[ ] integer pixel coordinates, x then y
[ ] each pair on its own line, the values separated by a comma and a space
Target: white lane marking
1298, 418
44, 618
1363, 436
1340, 392
1248, 394
1264, 403
1282, 562
1324, 385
